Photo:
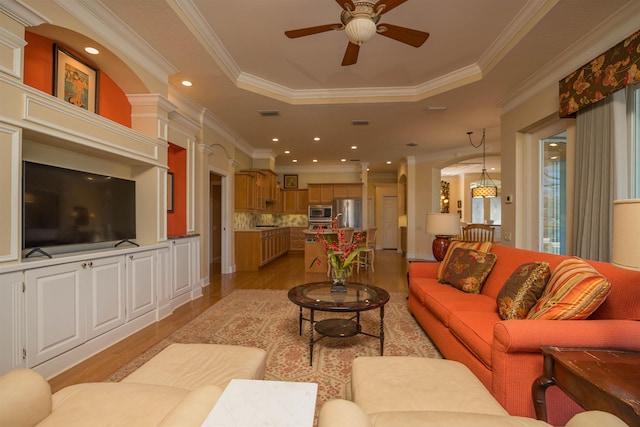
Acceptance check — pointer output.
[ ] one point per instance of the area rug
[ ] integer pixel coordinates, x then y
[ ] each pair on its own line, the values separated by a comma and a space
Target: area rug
267, 319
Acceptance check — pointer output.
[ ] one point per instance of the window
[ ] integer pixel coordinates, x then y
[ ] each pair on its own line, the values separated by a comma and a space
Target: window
635, 132
554, 200
489, 209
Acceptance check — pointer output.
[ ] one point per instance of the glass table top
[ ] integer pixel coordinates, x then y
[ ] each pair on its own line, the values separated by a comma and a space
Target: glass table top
320, 296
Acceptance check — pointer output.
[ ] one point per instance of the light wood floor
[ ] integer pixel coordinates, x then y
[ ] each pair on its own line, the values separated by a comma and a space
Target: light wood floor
283, 273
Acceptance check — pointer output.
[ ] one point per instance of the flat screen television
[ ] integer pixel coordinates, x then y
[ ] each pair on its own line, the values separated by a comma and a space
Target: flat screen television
70, 207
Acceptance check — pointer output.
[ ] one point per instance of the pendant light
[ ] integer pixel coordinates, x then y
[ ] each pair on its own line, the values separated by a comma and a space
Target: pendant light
486, 188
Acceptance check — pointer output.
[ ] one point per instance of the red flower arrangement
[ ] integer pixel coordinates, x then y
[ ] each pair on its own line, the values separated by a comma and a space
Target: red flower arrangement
341, 252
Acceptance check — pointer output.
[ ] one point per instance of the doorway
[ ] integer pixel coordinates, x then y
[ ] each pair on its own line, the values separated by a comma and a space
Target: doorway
215, 223
389, 235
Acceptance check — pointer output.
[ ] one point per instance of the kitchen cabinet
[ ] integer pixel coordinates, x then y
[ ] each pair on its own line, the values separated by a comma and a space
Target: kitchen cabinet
347, 191
245, 192
255, 248
12, 327
321, 194
297, 238
141, 284
295, 201
250, 188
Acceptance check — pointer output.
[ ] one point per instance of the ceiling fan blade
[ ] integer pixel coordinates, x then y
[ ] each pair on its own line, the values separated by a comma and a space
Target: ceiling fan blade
351, 54
343, 2
388, 5
411, 37
301, 32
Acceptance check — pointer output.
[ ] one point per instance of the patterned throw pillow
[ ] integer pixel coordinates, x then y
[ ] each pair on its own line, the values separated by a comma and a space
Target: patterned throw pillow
478, 246
522, 290
467, 269
575, 290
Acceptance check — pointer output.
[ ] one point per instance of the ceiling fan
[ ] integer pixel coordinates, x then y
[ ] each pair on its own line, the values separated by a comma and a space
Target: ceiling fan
359, 19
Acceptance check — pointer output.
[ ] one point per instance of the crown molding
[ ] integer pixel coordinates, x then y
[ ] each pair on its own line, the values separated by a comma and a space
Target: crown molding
193, 19
300, 169
600, 39
23, 14
101, 20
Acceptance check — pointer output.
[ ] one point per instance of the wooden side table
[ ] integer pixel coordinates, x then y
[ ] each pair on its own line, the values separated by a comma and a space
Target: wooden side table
596, 379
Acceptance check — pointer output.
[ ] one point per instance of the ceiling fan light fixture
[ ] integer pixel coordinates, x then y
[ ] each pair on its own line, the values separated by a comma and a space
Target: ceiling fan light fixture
360, 30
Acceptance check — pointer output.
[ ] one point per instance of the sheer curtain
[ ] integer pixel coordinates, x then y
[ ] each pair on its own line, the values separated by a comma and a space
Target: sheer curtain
594, 181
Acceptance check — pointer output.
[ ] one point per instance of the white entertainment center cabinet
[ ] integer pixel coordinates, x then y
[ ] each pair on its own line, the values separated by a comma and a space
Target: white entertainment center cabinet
56, 313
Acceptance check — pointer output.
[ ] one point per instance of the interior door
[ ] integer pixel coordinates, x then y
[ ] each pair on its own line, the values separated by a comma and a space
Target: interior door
389, 222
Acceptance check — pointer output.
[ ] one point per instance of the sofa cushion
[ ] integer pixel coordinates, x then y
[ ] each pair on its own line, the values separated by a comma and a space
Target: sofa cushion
442, 300
474, 329
575, 290
403, 383
113, 404
189, 366
522, 290
467, 269
25, 398
478, 246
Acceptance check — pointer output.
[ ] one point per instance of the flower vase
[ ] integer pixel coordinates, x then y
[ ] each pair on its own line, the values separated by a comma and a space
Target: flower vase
339, 278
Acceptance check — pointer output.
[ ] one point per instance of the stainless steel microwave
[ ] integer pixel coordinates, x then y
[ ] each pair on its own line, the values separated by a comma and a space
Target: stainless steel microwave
320, 213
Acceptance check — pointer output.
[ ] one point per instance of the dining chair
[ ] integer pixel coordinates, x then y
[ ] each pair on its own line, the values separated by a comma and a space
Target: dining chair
478, 233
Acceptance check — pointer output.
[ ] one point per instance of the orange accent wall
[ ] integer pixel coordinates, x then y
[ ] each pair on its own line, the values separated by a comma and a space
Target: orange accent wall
177, 162
38, 73
38, 62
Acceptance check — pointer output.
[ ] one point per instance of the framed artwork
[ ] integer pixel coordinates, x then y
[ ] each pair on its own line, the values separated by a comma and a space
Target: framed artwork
169, 192
74, 80
291, 181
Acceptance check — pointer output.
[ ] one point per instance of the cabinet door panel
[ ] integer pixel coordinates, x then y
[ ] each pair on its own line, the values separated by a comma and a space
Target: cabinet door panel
56, 311
11, 322
141, 296
106, 295
181, 267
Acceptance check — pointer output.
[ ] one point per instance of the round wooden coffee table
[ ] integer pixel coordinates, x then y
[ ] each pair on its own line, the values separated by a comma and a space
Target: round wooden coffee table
353, 298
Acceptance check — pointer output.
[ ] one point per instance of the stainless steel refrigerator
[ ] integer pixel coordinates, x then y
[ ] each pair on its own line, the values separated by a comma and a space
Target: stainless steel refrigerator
348, 212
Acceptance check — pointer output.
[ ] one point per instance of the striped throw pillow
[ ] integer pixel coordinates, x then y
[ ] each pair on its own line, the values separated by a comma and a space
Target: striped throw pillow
477, 246
575, 290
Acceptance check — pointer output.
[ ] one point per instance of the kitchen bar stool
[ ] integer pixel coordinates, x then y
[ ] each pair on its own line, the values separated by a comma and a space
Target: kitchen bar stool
366, 257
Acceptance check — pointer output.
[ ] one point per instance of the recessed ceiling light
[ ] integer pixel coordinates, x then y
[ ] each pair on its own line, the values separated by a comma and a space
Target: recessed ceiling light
315, 160
316, 139
187, 83
553, 144
287, 152
388, 162
554, 157
91, 50
294, 161
343, 160
275, 139
354, 147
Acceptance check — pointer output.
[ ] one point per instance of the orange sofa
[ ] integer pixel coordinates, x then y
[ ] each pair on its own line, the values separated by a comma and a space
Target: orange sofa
505, 354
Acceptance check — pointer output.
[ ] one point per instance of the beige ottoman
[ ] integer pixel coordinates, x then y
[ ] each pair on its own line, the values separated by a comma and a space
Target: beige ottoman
395, 383
189, 366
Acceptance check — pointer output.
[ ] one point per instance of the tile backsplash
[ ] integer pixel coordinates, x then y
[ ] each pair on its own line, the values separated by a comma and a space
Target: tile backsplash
246, 220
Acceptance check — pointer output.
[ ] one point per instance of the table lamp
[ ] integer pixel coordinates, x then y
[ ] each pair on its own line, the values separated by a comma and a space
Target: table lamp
443, 226
626, 234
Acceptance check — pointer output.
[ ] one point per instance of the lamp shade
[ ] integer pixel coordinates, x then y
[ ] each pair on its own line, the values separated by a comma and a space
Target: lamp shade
443, 224
626, 233
360, 30
484, 191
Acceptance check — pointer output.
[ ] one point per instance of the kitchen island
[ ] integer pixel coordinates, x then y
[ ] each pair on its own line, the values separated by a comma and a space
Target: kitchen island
256, 247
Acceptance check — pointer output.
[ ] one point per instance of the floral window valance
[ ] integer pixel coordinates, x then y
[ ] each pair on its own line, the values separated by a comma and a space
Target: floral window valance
613, 70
